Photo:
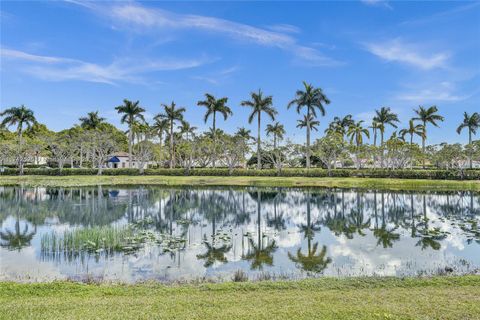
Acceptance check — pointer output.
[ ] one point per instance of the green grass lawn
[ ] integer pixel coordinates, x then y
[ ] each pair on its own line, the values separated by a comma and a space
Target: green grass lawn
328, 298
378, 183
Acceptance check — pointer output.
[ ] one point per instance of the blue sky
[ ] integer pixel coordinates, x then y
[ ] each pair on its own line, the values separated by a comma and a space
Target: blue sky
64, 59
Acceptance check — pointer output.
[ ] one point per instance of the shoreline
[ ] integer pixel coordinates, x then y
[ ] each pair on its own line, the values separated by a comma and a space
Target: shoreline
243, 181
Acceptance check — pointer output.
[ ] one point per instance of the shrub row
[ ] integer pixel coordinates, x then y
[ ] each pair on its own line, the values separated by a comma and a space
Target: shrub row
290, 172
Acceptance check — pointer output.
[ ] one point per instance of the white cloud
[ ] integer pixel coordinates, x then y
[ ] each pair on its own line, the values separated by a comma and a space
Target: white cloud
382, 3
442, 92
121, 70
137, 17
399, 51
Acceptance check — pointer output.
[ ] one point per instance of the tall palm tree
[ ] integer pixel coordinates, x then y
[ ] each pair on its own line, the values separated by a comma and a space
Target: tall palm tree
340, 125
245, 136
472, 123
20, 116
413, 129
186, 129
356, 133
375, 127
92, 121
213, 106
132, 112
259, 104
277, 130
384, 117
160, 127
310, 122
313, 99
171, 113
427, 115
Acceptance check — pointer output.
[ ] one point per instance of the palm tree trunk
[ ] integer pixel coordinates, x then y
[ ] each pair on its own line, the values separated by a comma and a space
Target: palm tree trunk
411, 144
470, 143
214, 141
259, 159
374, 145
308, 139
130, 137
274, 141
381, 154
424, 137
171, 145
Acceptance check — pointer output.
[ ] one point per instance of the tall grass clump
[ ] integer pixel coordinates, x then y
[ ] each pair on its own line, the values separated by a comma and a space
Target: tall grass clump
106, 239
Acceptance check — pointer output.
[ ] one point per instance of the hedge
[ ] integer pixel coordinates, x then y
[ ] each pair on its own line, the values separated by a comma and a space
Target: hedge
289, 172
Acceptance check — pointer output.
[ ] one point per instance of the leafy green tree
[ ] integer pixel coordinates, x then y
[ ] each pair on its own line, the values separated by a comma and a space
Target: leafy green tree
132, 112
213, 106
277, 130
426, 116
92, 121
258, 103
472, 123
312, 99
172, 114
19, 116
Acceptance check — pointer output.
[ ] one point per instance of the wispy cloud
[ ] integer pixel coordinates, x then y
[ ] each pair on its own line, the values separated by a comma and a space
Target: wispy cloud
137, 17
285, 28
378, 3
441, 15
400, 51
439, 92
217, 77
120, 70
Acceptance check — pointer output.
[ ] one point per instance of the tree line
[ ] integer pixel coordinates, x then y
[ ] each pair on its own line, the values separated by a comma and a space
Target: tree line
170, 141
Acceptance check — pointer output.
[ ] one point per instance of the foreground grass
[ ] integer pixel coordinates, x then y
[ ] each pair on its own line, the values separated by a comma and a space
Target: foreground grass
328, 298
377, 183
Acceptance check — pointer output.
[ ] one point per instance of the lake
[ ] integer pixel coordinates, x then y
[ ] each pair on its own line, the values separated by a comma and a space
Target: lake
132, 234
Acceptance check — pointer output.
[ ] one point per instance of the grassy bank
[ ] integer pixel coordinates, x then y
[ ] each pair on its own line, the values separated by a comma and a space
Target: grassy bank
378, 183
433, 298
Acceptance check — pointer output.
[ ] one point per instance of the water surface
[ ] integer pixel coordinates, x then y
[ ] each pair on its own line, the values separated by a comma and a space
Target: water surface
184, 234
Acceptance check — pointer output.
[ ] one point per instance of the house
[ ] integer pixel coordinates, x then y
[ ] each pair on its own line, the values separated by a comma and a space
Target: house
120, 160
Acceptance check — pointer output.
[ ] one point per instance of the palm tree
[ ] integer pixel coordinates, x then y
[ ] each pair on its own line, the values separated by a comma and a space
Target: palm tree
375, 126
171, 114
312, 98
132, 112
244, 134
20, 116
92, 121
312, 262
187, 129
472, 123
356, 133
340, 125
426, 116
412, 130
213, 106
160, 127
383, 118
277, 130
259, 104
303, 123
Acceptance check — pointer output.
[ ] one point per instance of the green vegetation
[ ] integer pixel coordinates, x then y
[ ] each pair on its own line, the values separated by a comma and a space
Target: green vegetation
387, 184
326, 298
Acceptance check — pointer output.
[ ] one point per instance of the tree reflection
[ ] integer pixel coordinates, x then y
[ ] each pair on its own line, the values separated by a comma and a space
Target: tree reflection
259, 253
17, 239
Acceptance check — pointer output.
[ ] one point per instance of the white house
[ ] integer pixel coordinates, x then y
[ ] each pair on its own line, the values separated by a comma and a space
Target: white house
120, 160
